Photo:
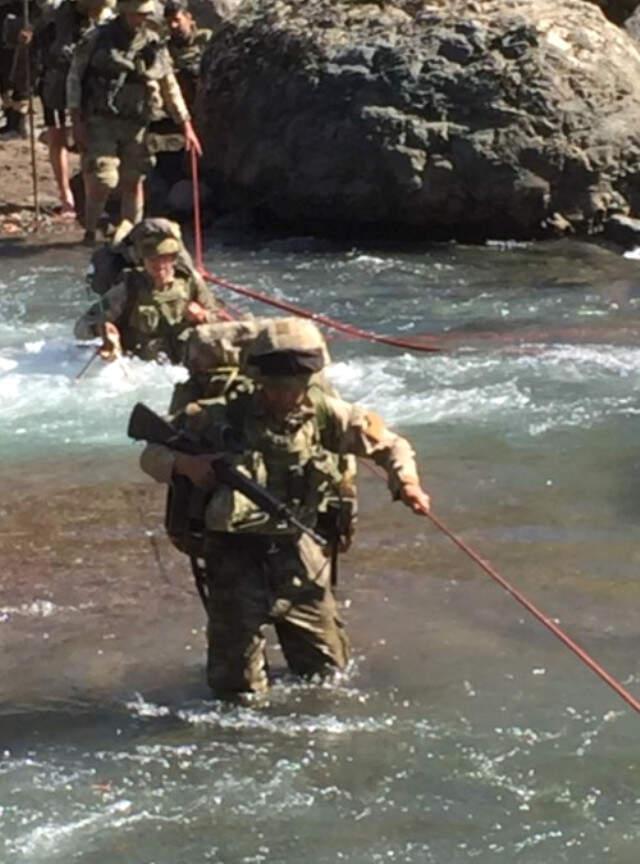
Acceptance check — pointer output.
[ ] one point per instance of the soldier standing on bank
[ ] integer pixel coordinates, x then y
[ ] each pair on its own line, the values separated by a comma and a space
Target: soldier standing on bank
16, 66
152, 309
121, 73
187, 44
70, 21
258, 571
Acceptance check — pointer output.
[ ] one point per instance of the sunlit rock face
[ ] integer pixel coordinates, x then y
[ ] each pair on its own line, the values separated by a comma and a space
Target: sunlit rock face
465, 119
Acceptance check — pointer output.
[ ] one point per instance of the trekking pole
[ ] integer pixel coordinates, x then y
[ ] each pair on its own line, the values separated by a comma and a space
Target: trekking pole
32, 132
87, 365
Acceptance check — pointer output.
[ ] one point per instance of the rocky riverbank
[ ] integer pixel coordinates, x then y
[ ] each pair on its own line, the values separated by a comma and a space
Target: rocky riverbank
17, 206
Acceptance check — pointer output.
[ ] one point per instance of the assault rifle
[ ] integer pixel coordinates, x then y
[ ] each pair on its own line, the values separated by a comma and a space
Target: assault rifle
146, 425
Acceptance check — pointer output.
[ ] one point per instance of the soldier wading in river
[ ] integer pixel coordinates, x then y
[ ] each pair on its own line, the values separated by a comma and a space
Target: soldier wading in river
152, 308
284, 434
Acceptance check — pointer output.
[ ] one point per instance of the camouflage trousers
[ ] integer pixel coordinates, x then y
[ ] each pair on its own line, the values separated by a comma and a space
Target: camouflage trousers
254, 581
116, 148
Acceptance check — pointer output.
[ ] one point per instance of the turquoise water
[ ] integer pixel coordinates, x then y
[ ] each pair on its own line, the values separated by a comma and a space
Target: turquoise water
463, 732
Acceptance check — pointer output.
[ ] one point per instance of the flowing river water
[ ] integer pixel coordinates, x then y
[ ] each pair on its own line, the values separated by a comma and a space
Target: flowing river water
463, 731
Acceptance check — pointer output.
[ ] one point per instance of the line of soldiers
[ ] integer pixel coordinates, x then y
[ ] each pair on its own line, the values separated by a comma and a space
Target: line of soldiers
256, 393
110, 71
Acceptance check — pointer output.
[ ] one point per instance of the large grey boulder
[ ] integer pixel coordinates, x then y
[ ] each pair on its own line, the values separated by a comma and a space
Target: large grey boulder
468, 118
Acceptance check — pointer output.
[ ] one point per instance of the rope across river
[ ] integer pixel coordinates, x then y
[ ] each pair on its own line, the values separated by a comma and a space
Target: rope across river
359, 333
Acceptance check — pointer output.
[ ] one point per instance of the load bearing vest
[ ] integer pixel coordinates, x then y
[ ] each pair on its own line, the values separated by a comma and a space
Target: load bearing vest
292, 464
122, 73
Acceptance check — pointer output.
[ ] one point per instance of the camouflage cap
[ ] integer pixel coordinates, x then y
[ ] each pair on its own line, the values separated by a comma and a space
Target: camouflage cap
156, 237
289, 346
151, 246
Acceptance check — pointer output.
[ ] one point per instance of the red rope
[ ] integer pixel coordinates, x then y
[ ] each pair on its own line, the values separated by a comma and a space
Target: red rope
349, 329
283, 304
530, 607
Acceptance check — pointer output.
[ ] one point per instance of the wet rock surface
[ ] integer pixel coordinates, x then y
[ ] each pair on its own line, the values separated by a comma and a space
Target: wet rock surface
465, 119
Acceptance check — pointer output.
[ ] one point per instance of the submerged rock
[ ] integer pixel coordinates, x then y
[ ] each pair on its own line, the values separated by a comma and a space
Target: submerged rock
470, 118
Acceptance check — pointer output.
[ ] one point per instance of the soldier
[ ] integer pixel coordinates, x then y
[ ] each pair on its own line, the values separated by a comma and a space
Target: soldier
120, 74
111, 261
187, 43
151, 311
15, 66
70, 21
285, 435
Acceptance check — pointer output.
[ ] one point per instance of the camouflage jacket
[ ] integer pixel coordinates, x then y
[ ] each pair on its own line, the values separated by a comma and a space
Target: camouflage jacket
151, 322
293, 458
119, 73
66, 26
187, 58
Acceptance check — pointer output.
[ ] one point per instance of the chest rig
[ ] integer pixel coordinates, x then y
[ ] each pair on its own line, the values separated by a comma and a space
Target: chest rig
123, 73
154, 321
288, 459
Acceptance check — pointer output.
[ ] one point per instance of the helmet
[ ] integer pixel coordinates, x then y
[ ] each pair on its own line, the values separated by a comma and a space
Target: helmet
289, 346
156, 237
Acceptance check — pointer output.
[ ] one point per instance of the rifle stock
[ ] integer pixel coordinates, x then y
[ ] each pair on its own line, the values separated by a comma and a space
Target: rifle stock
146, 425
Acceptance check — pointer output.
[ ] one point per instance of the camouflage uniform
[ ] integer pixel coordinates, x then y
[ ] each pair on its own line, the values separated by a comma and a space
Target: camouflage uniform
186, 51
261, 572
187, 57
68, 24
118, 79
111, 261
151, 323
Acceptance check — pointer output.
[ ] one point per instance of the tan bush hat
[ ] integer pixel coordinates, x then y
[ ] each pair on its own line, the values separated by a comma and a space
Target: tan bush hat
289, 346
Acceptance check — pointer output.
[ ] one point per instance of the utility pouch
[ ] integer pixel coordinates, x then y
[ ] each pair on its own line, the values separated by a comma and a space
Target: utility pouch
337, 523
184, 516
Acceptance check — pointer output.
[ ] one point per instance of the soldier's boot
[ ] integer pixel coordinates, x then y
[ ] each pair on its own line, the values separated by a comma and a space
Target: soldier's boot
16, 126
11, 118
22, 125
